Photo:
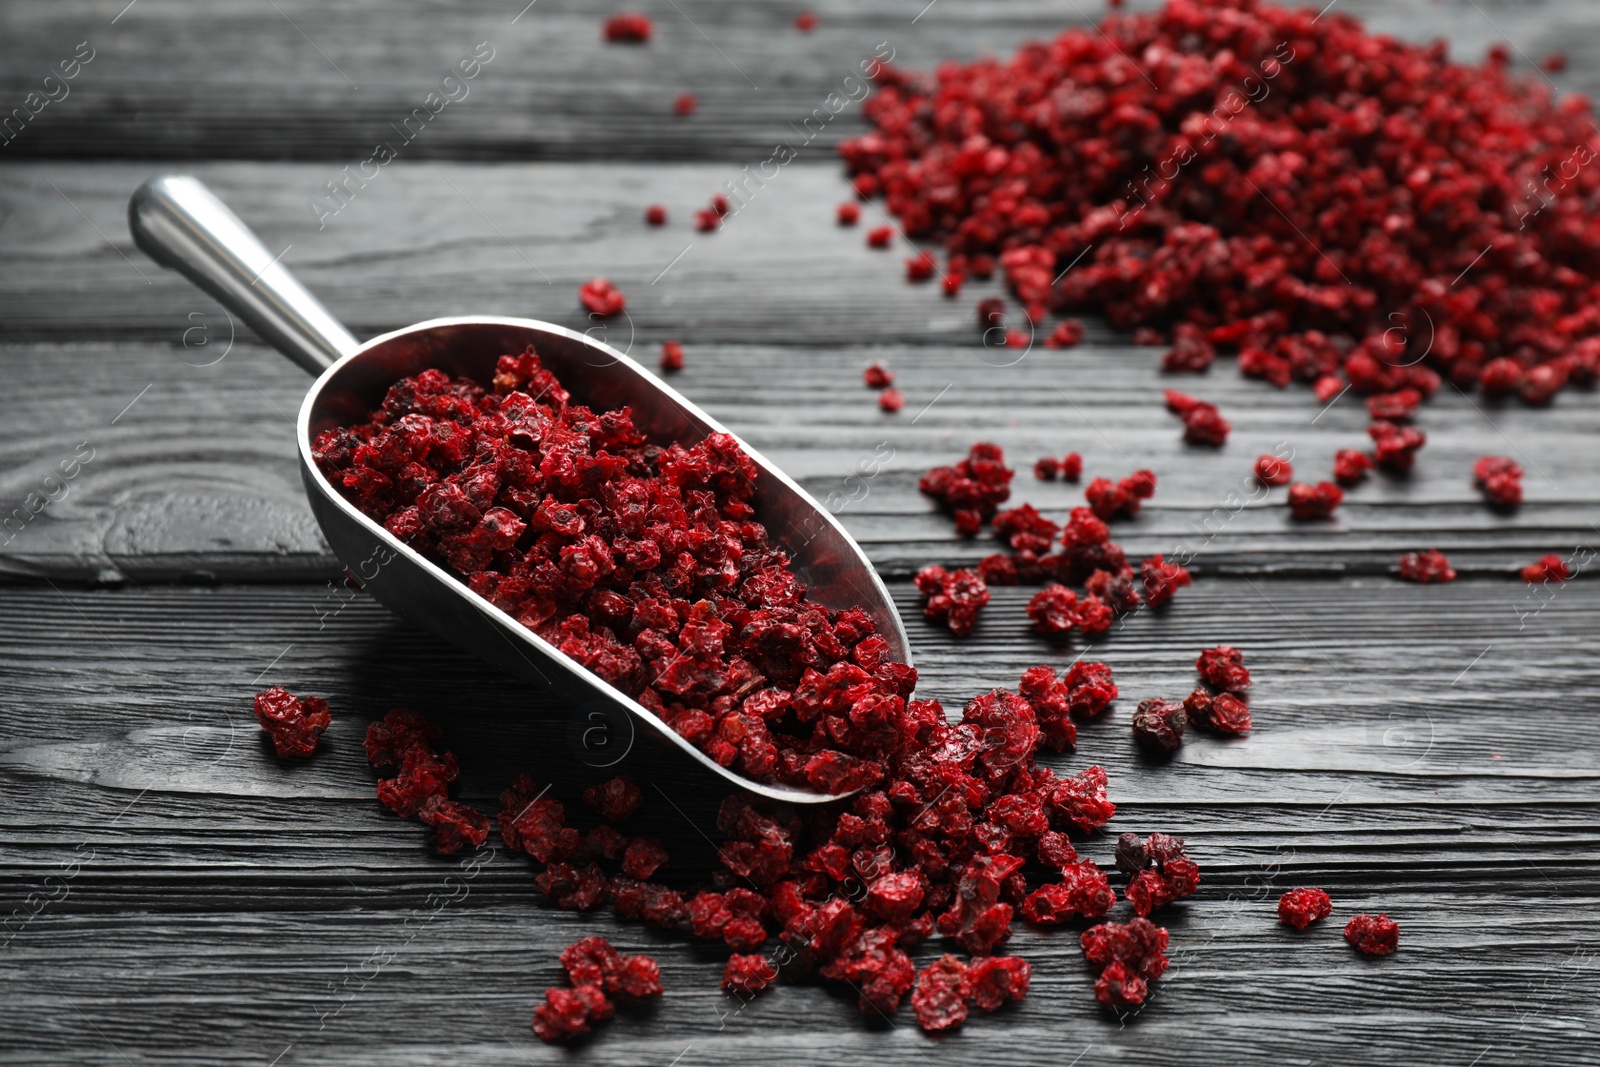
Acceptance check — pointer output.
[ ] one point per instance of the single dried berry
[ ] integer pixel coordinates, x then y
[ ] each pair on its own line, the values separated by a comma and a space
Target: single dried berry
568, 1013
1158, 725
1374, 935
1273, 470
991, 312
1162, 580
685, 104
455, 826
1068, 333
849, 213
628, 27
1499, 478
920, 267
747, 973
671, 356
941, 996
1350, 466
1071, 467
602, 298
998, 979
1300, 908
1307, 502
1223, 669
891, 400
1551, 568
880, 236
1203, 424
1228, 715
805, 22
1395, 447
295, 724
655, 215
615, 799
1053, 609
1047, 468
1428, 567
877, 376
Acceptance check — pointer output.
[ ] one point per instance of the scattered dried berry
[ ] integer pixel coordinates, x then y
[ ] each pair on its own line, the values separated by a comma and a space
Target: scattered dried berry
880, 236
953, 598
671, 356
1128, 956
1551, 568
295, 724
455, 826
805, 22
707, 220
1300, 908
977, 485
1162, 580
849, 213
685, 104
655, 215
1071, 467
920, 267
891, 400
596, 970
998, 979
628, 28
991, 312
1054, 609
1047, 468
1223, 669
1375, 935
1273, 470
941, 996
747, 973
877, 376
1394, 447
1428, 567
602, 298
1499, 478
1068, 333
1203, 423
1307, 502
1350, 466
1158, 725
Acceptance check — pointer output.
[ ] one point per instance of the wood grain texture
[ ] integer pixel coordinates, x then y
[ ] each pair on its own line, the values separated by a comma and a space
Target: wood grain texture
232, 896
301, 79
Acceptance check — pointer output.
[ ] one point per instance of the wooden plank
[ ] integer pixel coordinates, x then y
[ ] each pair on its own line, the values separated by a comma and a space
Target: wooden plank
232, 897
197, 478
186, 79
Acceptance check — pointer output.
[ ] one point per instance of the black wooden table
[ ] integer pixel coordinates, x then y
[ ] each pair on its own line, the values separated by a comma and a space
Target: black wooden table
172, 893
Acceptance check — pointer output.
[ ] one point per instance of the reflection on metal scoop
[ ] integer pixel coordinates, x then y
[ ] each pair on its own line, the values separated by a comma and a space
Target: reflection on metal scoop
179, 223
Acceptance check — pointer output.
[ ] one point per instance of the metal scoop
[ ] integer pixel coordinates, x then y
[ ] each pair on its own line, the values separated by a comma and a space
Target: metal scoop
181, 225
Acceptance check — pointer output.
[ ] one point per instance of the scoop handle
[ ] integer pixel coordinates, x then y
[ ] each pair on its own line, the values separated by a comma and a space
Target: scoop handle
183, 226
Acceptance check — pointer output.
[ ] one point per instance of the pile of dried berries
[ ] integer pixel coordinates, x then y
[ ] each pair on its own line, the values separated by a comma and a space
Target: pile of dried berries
1231, 175
1158, 870
644, 564
295, 724
1426, 568
1128, 956
420, 788
1203, 423
597, 973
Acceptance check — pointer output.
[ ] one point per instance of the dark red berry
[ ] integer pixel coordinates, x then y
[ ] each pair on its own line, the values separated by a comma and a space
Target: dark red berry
877, 376
602, 298
295, 724
1300, 908
1427, 567
891, 400
1223, 669
1374, 935
849, 213
1158, 725
671, 356
684, 105
655, 215
628, 27
1551, 568
1307, 502
880, 236
1273, 470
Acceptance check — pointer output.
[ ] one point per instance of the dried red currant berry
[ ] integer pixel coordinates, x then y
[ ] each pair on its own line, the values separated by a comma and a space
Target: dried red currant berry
1229, 715
1375, 935
423, 775
1300, 908
991, 312
1327, 388
980, 483
1128, 956
1095, 616
1197, 706
1090, 688
455, 826
1162, 580
1395, 407
1273, 470
877, 376
1350, 466
1080, 801
849, 213
1118, 987
671, 356
1158, 725
1499, 478
1551, 568
1191, 353
1054, 609
1554, 63
615, 799
720, 205
628, 27
568, 1013
1395, 447
602, 298
1309, 502
1067, 334
880, 236
805, 22
684, 105
1108, 500
921, 267
1223, 669
707, 220
747, 973
295, 724
891, 400
940, 999
951, 283
1071, 467
998, 979
1083, 891
655, 215
643, 858
1203, 424
1047, 469
1428, 567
